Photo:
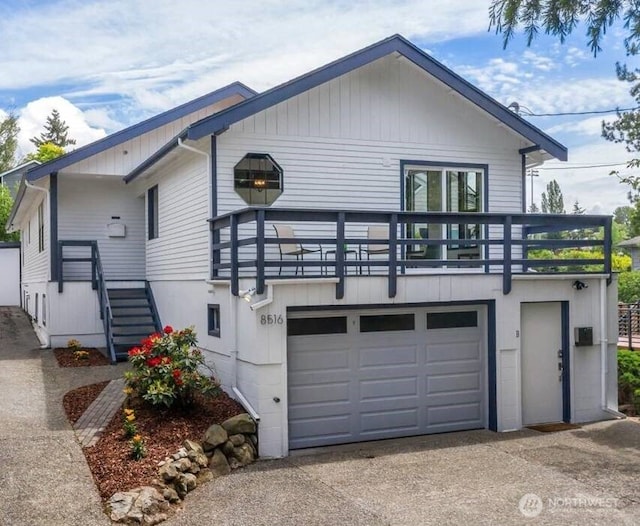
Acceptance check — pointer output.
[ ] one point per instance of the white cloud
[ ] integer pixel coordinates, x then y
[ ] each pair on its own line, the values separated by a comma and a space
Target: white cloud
33, 116
591, 126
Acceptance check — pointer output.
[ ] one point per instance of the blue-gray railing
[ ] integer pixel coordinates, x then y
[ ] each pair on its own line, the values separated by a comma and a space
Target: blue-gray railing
98, 283
229, 238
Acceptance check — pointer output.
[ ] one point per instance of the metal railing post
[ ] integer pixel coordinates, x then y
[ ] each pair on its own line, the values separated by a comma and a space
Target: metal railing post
233, 232
260, 252
340, 255
393, 255
506, 256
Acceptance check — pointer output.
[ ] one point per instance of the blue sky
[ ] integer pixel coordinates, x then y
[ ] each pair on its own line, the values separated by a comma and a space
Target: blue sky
106, 65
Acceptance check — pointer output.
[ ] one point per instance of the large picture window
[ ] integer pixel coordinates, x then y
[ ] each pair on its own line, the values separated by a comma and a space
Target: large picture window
444, 189
257, 178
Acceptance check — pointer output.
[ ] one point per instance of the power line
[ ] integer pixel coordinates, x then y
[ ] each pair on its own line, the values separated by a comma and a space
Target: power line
579, 166
527, 113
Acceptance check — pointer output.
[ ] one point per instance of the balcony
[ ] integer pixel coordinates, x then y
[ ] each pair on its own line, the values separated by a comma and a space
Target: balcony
339, 244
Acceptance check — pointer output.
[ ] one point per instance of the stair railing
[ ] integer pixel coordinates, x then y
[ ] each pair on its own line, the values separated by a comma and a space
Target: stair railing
154, 308
103, 296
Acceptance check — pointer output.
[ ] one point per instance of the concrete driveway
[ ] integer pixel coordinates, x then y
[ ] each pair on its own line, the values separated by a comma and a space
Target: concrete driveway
590, 475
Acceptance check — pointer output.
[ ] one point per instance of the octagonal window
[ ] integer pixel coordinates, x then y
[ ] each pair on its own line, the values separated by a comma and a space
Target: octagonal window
257, 178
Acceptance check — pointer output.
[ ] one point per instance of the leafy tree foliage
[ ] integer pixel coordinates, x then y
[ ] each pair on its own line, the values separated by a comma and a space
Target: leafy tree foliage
46, 152
533, 209
561, 17
8, 142
552, 200
56, 132
622, 215
6, 203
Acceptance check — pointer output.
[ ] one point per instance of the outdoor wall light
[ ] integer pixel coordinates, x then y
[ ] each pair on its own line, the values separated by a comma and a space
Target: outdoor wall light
246, 295
579, 285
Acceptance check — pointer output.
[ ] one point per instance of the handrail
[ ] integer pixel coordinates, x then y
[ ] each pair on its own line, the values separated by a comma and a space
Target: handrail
403, 241
105, 305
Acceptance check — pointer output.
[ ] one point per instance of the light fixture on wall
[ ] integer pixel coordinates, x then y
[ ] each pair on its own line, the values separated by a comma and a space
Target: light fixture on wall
246, 295
579, 285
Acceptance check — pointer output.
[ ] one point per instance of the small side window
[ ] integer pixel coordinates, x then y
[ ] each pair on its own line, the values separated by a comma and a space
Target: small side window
36, 310
387, 322
311, 326
152, 212
213, 320
452, 320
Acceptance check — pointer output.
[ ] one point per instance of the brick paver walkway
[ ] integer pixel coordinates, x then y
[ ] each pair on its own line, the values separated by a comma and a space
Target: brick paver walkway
98, 415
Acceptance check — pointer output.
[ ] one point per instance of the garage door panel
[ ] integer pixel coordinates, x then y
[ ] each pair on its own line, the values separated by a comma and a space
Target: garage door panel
388, 387
470, 413
384, 356
390, 421
453, 351
328, 392
318, 431
452, 383
320, 359
454, 368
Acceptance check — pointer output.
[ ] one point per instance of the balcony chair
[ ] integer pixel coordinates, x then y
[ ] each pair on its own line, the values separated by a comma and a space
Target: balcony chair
376, 233
292, 249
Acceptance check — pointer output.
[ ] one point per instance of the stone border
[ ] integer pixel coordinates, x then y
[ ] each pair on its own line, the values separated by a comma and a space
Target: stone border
224, 447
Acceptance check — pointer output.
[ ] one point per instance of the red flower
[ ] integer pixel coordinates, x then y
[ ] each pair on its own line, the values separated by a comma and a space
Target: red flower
166, 360
153, 362
177, 377
168, 329
135, 351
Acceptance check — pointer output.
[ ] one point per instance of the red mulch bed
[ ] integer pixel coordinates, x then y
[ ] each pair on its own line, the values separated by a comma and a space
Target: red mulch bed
163, 430
66, 357
76, 402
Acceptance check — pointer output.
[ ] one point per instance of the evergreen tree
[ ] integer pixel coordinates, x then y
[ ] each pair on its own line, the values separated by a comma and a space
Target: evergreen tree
55, 132
8, 142
577, 209
552, 200
533, 209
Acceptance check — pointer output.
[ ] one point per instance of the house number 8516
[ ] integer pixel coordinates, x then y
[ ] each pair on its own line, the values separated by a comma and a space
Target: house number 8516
271, 319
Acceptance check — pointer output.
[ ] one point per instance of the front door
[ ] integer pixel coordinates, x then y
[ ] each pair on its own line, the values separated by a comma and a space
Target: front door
541, 362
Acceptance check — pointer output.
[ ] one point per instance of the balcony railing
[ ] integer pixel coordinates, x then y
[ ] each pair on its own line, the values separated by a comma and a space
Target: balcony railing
245, 244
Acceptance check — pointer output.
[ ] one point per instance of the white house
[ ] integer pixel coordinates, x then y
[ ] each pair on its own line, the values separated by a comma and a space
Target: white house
371, 212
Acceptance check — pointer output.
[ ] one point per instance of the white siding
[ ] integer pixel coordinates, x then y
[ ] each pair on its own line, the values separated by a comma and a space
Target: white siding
123, 158
340, 144
35, 262
85, 208
181, 249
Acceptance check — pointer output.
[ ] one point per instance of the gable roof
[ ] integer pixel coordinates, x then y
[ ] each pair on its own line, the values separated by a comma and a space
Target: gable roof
236, 88
20, 168
219, 122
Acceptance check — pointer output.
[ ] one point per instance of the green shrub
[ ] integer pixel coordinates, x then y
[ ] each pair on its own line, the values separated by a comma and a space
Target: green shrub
620, 262
165, 369
628, 377
629, 287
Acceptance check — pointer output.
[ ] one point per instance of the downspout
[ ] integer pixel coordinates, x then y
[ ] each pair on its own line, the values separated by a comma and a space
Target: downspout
263, 303
604, 343
43, 343
208, 158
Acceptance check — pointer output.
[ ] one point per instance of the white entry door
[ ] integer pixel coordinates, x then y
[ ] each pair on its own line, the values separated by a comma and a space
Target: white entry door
541, 362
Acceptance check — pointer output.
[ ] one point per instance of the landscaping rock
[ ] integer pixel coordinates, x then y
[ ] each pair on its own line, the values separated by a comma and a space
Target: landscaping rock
168, 472
227, 448
170, 495
181, 453
199, 458
234, 463
182, 465
192, 446
214, 436
194, 468
254, 439
218, 464
120, 504
205, 475
237, 440
244, 454
149, 502
185, 483
241, 423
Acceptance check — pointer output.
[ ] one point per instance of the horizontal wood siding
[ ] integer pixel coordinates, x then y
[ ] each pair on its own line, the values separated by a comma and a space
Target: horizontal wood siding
35, 263
85, 209
181, 249
123, 158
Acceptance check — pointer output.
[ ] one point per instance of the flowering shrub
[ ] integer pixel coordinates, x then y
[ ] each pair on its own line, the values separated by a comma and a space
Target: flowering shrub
74, 345
166, 369
138, 449
129, 423
79, 354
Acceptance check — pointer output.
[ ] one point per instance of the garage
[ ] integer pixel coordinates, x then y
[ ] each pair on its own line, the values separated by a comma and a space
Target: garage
366, 375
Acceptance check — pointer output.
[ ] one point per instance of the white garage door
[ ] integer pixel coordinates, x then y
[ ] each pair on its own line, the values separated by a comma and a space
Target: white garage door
355, 376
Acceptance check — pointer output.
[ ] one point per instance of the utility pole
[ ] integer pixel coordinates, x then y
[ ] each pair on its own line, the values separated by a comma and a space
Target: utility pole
532, 173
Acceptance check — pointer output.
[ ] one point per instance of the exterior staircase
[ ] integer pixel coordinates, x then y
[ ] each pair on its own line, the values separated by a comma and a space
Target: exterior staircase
133, 317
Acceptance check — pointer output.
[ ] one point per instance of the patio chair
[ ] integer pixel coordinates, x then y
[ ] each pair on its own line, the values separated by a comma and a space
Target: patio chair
376, 233
292, 249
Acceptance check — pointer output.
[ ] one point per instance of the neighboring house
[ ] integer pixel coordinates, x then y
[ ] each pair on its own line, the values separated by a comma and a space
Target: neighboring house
633, 245
11, 178
413, 309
